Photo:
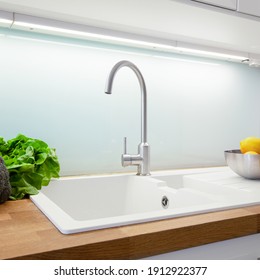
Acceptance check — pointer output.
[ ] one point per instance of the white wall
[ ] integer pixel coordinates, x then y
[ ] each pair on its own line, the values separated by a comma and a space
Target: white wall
53, 89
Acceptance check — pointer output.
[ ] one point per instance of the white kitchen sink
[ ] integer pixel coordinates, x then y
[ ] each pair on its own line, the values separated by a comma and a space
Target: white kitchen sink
76, 204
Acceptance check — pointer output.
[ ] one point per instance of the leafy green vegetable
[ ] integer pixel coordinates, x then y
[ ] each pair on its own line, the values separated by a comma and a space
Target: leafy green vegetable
31, 164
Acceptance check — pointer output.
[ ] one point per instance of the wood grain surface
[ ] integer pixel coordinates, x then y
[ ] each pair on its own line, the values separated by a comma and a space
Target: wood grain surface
25, 233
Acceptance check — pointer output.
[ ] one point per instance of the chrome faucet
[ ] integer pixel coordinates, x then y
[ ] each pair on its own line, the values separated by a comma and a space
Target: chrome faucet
142, 159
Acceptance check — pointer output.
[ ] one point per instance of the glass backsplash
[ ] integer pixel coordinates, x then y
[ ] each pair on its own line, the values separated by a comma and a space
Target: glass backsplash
52, 88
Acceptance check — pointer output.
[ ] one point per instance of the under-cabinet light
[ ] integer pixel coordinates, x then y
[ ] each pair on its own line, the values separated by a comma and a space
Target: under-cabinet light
56, 27
92, 35
88, 32
186, 60
6, 18
213, 52
2, 20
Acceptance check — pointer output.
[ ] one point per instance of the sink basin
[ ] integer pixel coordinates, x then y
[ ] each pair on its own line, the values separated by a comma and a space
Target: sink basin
76, 204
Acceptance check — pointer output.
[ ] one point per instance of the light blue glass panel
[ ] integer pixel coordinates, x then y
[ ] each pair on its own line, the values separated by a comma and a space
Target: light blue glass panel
53, 89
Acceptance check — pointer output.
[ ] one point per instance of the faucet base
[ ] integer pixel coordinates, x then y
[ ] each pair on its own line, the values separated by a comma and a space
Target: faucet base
144, 167
142, 160
139, 174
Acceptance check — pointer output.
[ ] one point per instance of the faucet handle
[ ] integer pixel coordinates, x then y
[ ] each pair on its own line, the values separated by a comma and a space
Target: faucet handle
125, 144
125, 159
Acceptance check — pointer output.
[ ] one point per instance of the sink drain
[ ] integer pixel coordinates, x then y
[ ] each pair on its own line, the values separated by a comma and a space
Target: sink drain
165, 202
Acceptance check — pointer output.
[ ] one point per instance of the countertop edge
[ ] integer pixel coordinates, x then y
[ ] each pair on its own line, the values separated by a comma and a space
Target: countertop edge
127, 242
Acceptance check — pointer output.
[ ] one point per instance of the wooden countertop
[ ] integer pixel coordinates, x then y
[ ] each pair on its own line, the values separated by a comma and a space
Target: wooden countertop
25, 233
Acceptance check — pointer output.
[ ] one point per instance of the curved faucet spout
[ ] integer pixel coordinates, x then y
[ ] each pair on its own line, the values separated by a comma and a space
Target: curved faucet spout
108, 90
142, 160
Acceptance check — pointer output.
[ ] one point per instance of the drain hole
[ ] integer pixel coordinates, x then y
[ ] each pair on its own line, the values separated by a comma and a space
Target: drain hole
165, 202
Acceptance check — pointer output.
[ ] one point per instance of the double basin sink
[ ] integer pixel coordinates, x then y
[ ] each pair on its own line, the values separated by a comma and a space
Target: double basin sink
83, 203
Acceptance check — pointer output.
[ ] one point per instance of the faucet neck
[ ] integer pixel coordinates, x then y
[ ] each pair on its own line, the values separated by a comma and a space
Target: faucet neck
108, 90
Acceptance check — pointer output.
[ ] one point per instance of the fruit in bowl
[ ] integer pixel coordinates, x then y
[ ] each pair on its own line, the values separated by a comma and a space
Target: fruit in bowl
246, 160
250, 145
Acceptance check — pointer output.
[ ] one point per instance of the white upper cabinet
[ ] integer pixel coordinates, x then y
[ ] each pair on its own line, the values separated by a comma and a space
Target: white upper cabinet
229, 4
250, 7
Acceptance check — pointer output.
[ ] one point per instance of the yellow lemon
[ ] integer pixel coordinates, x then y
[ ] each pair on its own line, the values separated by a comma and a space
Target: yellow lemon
250, 144
251, 153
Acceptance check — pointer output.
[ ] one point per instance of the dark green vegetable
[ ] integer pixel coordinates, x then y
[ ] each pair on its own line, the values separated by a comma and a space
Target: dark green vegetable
5, 187
31, 164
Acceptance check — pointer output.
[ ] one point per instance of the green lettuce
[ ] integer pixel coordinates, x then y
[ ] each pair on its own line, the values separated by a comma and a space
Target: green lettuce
31, 164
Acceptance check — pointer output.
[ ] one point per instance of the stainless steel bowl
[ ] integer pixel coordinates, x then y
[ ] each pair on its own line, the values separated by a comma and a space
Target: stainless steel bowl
245, 165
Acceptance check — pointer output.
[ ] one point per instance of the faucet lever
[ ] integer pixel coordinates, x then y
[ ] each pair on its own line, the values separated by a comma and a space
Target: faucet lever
126, 159
125, 144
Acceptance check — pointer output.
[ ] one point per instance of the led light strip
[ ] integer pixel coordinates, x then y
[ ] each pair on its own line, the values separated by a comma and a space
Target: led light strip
48, 26
91, 35
212, 54
6, 19
2, 20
